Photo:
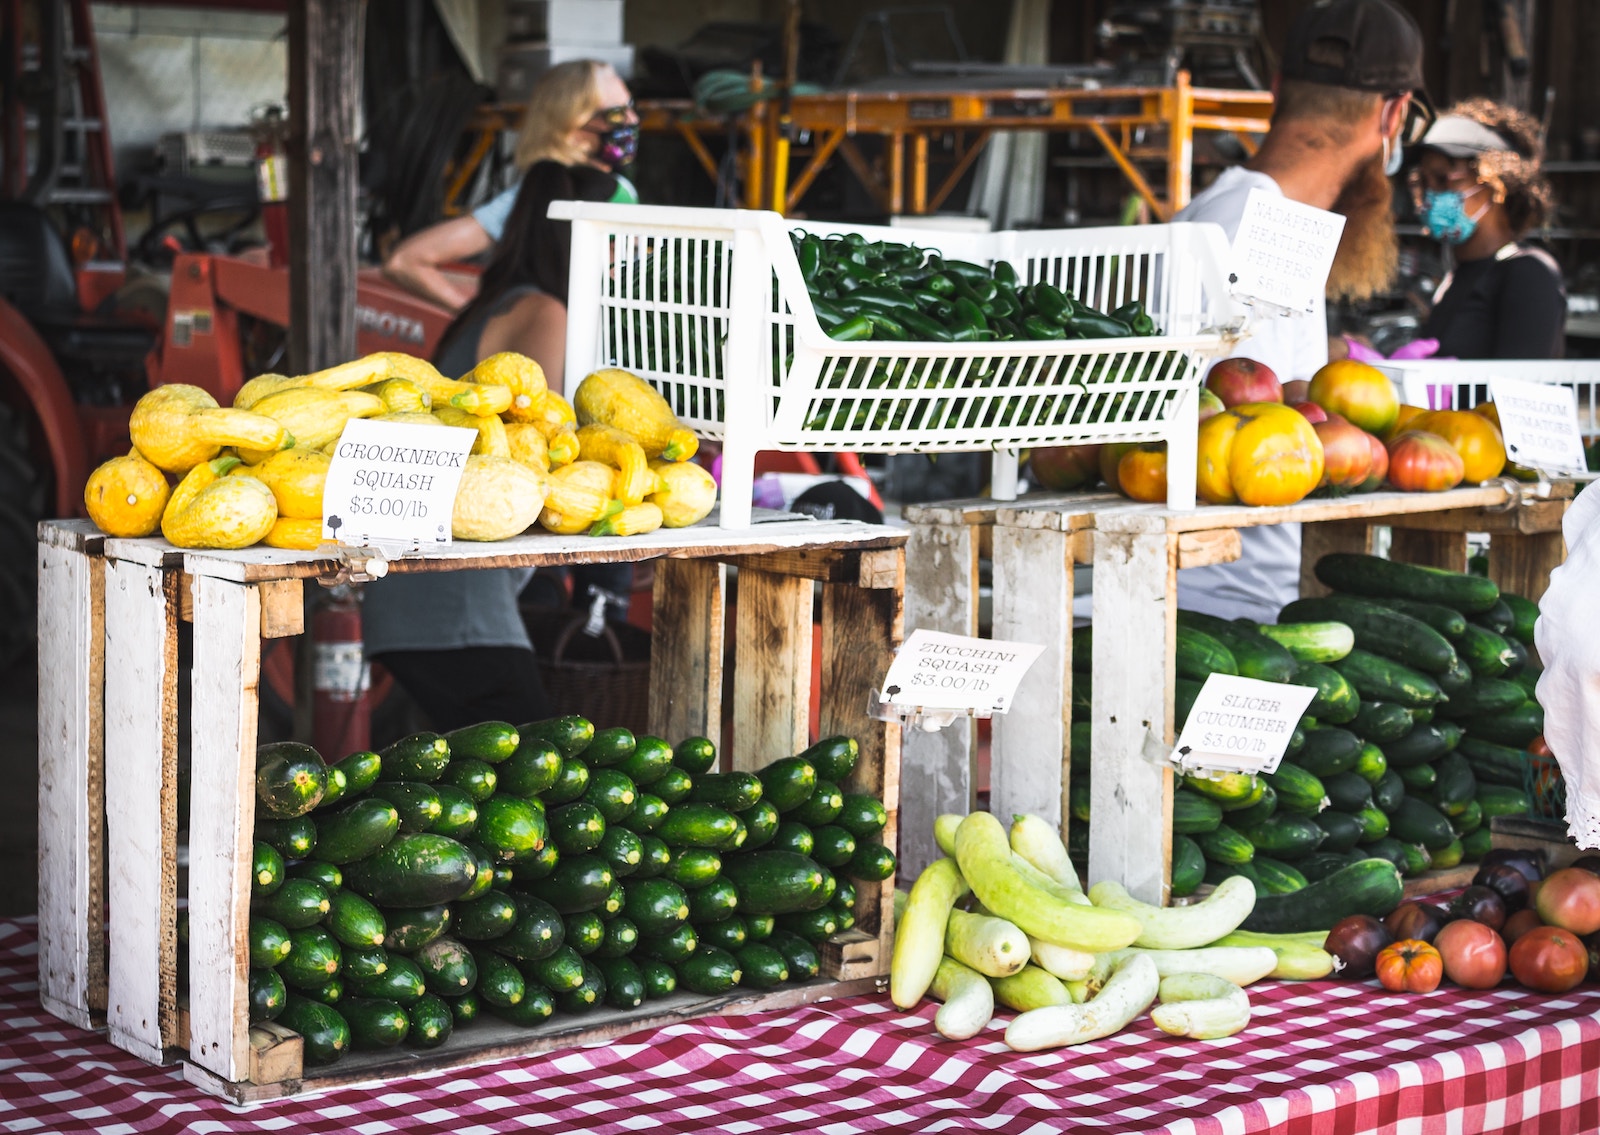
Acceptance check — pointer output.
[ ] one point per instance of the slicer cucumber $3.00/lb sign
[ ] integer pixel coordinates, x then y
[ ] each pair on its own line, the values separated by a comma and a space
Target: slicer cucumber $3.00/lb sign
1240, 724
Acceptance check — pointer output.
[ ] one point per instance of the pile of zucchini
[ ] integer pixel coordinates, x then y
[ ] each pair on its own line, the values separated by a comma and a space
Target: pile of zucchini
1413, 743
548, 869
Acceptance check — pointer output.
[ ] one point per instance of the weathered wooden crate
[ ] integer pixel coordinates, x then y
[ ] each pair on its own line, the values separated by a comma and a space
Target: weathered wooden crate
234, 599
1137, 551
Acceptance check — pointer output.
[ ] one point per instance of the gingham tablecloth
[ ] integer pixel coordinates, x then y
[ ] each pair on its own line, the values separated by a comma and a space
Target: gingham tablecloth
1319, 1058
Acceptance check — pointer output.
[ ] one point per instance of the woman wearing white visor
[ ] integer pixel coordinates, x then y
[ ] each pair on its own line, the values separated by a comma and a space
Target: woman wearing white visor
1478, 188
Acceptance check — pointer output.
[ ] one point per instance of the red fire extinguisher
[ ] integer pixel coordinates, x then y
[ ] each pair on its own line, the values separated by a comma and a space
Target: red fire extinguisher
272, 181
341, 720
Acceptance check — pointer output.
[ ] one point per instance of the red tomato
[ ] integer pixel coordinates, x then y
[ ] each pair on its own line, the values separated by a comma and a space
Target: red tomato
1424, 463
1237, 381
1142, 474
1380, 466
1062, 468
1473, 954
1410, 966
1346, 455
1570, 898
1519, 924
1549, 959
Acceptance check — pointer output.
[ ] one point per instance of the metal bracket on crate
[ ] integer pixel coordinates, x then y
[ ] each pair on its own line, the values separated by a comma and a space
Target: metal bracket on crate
916, 716
357, 565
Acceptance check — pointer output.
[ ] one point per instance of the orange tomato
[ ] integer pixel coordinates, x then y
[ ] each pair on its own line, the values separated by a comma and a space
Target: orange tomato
1260, 453
1406, 413
1410, 966
1142, 473
1423, 463
1110, 457
1361, 393
1474, 436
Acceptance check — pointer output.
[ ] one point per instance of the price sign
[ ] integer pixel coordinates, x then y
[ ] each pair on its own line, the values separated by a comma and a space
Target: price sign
1282, 251
1540, 424
935, 670
394, 483
1241, 724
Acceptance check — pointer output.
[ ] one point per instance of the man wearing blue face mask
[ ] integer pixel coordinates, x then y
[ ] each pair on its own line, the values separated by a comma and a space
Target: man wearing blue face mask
1478, 187
1349, 95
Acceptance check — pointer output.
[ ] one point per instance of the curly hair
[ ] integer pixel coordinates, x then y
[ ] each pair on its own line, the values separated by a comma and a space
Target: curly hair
1515, 175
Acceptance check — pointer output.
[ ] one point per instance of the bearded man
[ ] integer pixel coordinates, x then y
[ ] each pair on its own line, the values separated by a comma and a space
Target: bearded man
1349, 94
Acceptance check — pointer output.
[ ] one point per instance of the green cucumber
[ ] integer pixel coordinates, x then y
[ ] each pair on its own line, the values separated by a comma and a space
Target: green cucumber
1188, 866
477, 779
357, 831
313, 958
1492, 763
1498, 618
487, 918
1275, 877
1374, 823
1416, 821
577, 884
1469, 819
1487, 654
458, 812
577, 827
1417, 861
709, 970
419, 869
1475, 845
698, 825
1498, 800
649, 761
354, 921
672, 948
361, 771
1284, 836
1450, 855
833, 757
1193, 813
1419, 778
1325, 641
420, 757
537, 932
1387, 847
761, 824
609, 747
401, 981
375, 1024
290, 779
824, 806
267, 995
695, 755
1389, 791
489, 741
513, 830
569, 735
673, 786
1386, 680
297, 904
786, 783
612, 792
1524, 613
1328, 751
1519, 659
1372, 887
266, 869
417, 803
1455, 785
1380, 630
1347, 792
1375, 577
1184, 693
1381, 721
431, 1021
1425, 743
761, 966
1242, 818
1224, 845
585, 931
295, 838
1255, 655
449, 968
411, 929
1199, 655
620, 938
1320, 864
1516, 727
1372, 765
269, 942
1341, 832
325, 1033
1446, 620
570, 783
624, 983
1337, 701
1452, 682
531, 770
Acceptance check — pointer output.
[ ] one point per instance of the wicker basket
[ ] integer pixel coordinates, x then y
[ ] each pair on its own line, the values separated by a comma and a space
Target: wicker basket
606, 679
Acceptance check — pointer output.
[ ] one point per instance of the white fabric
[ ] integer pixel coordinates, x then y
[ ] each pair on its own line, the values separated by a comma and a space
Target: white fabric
1568, 637
1267, 575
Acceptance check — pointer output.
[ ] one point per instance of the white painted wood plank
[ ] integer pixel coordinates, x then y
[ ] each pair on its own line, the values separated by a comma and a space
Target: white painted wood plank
227, 671
141, 856
72, 948
1033, 603
938, 769
1135, 624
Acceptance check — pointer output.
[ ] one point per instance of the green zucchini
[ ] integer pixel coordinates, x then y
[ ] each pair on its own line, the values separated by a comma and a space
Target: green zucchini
266, 869
761, 966
477, 779
832, 846
512, 830
660, 979
1341, 832
449, 968
559, 972
1199, 655
500, 983
569, 735
354, 921
775, 882
487, 918
1381, 721
804, 964
1375, 577
361, 771
290, 779
1446, 620
458, 812
1337, 701
374, 1024
612, 792
1188, 866
362, 963
325, 1033
862, 816
1326, 641
401, 981
620, 938
834, 758
1299, 792
489, 741
577, 884
1255, 655
692, 867
713, 902
537, 932
709, 970
420, 757
731, 791
786, 784
531, 770
695, 755
484, 878
577, 827
624, 983
415, 870
872, 863
411, 929
650, 759
1372, 886
1224, 845
609, 747
1381, 630
297, 904
570, 783
267, 995
672, 948
657, 906
313, 958
1328, 751
294, 838
654, 857
761, 824
1387, 680
465, 1010
1286, 836
1193, 813
269, 942
824, 806
431, 1021
649, 810
623, 850
1485, 653
700, 825
729, 933
1516, 727
417, 803
1416, 821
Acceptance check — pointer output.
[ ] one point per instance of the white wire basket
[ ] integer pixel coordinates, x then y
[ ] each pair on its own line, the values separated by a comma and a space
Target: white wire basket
710, 307
1460, 384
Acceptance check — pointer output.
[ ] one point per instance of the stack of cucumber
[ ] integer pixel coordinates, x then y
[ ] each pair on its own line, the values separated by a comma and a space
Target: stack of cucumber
1412, 744
551, 868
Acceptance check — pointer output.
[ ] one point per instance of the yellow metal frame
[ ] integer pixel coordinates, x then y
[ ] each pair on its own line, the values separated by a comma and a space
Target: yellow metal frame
833, 120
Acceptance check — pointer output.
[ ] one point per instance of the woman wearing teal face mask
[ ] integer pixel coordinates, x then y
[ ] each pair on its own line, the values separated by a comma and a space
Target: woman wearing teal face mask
1478, 189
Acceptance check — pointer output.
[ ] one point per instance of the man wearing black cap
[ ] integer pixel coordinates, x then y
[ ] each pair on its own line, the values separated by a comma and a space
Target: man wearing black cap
1349, 94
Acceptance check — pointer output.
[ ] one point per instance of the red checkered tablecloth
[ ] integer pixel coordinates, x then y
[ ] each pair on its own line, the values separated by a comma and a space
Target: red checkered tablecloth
1319, 1058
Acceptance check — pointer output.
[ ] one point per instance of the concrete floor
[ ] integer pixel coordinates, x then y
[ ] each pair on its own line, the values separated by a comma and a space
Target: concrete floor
19, 772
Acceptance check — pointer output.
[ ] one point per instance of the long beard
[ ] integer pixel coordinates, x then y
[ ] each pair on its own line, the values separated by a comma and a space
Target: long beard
1369, 250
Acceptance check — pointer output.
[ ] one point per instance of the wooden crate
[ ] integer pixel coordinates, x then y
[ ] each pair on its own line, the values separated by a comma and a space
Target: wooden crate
234, 599
1137, 550
947, 541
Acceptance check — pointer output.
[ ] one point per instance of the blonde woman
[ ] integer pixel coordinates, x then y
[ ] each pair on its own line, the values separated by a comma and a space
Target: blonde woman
580, 113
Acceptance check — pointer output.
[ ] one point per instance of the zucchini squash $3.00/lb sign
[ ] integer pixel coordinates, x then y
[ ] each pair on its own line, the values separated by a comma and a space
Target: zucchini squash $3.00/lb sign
393, 483
934, 670
1241, 724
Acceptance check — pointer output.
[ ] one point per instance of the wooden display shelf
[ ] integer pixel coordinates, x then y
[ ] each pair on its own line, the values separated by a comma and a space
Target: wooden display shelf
1137, 551
110, 649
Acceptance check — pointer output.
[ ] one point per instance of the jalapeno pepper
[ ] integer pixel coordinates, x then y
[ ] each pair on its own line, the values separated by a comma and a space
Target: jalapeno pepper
967, 313
1128, 312
1050, 302
983, 290
810, 256
854, 329
828, 314
1090, 324
886, 326
919, 326
1005, 328
1038, 327
940, 284
1005, 274
972, 273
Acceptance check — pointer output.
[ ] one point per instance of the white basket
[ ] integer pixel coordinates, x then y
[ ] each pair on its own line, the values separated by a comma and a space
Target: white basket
1460, 384
689, 298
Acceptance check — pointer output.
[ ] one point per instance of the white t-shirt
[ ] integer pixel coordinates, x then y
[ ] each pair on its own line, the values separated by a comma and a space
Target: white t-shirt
1267, 575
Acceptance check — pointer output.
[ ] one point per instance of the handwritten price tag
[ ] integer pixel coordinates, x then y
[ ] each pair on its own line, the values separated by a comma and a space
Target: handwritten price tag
394, 483
1282, 251
1241, 724
1540, 424
935, 670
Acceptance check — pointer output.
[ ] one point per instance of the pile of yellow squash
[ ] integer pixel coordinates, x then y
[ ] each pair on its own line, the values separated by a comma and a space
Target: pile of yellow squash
612, 462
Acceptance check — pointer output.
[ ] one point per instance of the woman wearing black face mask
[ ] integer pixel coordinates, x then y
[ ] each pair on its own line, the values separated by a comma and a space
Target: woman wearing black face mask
455, 641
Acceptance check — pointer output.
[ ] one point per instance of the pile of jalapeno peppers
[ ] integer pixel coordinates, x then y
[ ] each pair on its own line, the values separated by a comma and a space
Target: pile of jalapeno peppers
864, 289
